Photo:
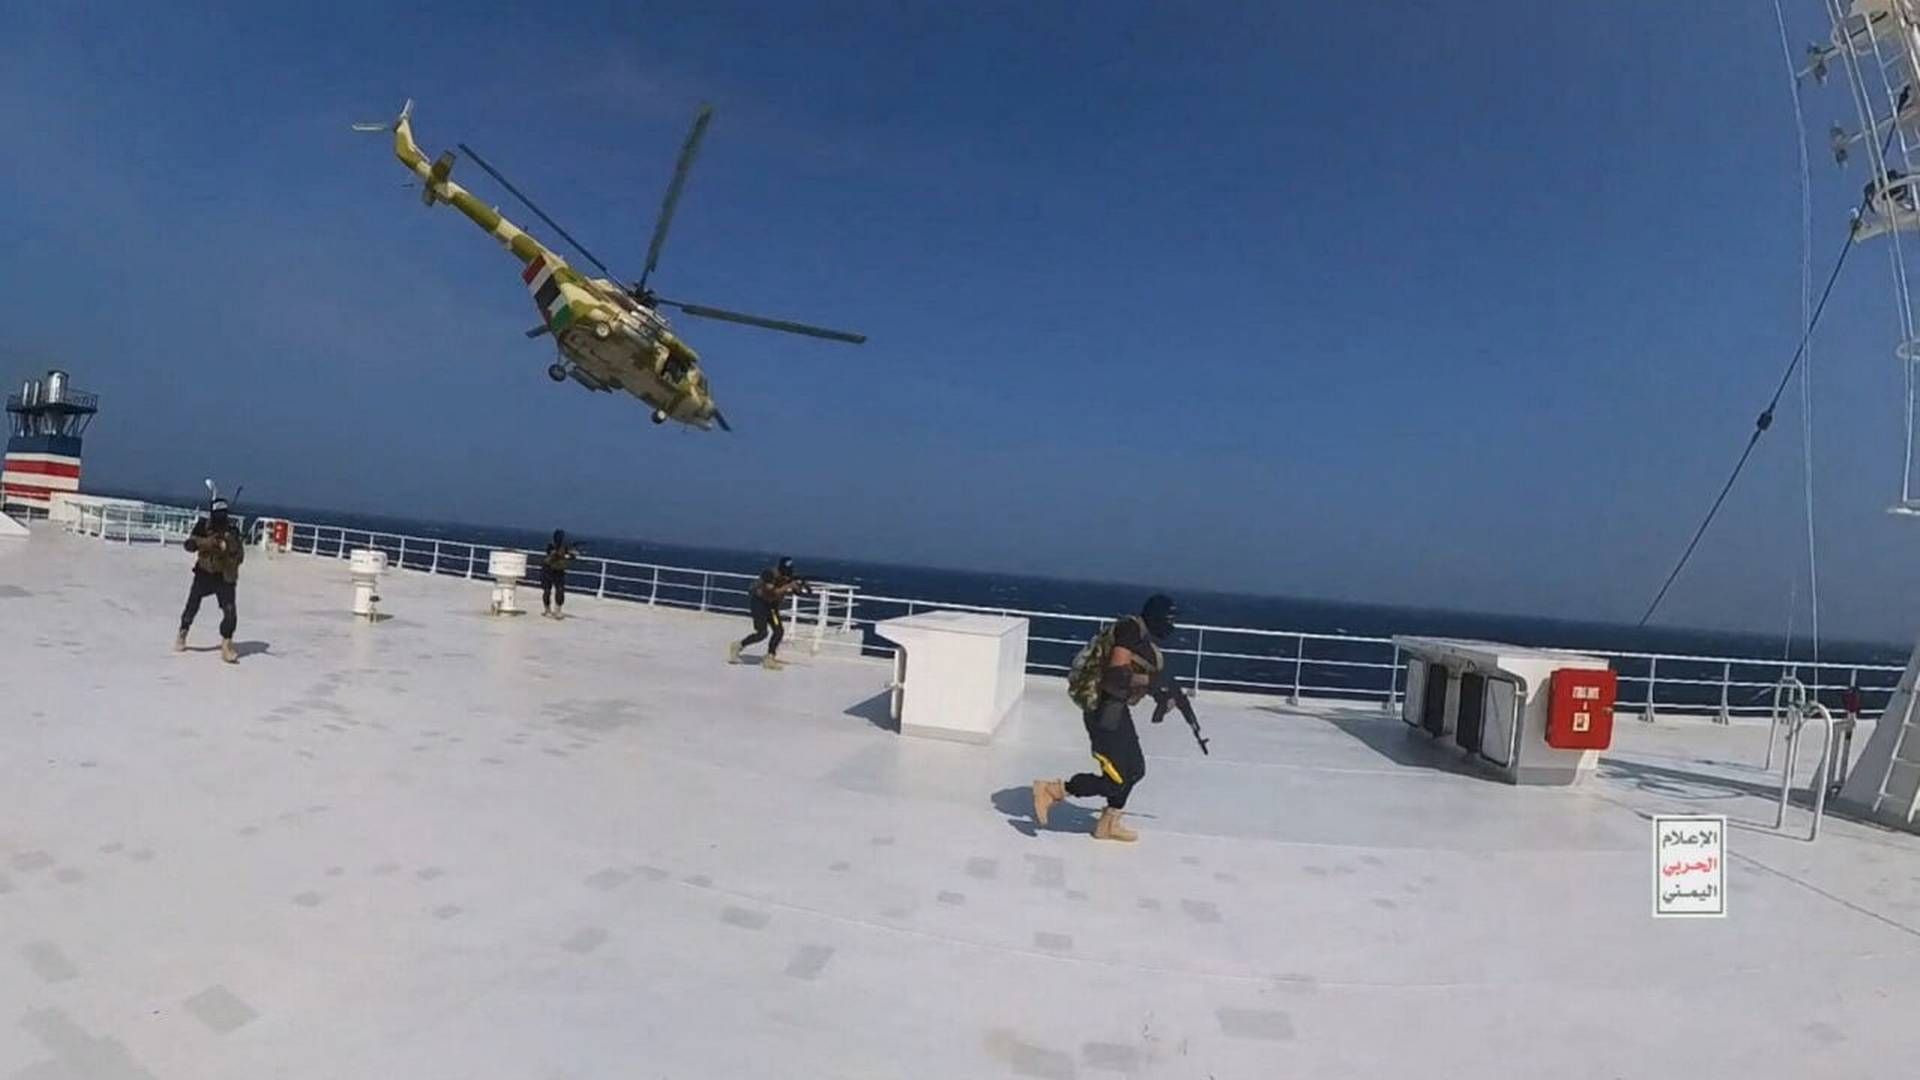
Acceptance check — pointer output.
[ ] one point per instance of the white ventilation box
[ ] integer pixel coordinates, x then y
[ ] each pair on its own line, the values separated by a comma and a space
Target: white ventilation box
957, 675
506, 568
365, 566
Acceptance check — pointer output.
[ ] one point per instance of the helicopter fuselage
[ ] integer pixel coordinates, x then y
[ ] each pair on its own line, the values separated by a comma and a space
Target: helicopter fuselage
607, 339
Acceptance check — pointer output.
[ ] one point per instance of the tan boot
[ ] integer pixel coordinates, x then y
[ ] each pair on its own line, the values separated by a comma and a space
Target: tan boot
733, 652
226, 651
773, 663
180, 642
1045, 794
1109, 828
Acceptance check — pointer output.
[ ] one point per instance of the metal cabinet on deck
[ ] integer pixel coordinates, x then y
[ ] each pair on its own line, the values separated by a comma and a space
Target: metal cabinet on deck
1492, 702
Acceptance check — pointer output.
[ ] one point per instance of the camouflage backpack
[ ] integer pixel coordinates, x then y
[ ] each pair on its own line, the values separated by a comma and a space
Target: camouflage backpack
1083, 676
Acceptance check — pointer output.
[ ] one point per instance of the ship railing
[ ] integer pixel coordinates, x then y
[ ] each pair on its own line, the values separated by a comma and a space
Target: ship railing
146, 523
1353, 667
821, 619
1294, 664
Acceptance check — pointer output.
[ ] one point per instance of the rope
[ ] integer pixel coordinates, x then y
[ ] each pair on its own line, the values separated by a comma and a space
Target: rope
1760, 427
1810, 320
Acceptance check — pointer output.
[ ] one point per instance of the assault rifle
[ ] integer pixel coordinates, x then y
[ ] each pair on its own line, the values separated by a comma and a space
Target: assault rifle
1176, 698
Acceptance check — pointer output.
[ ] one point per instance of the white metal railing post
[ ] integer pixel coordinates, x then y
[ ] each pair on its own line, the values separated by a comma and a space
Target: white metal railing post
402, 560
653, 595
1653, 681
820, 620
1773, 721
706, 586
1822, 777
1726, 678
435, 568
1299, 657
846, 624
1392, 702
1199, 653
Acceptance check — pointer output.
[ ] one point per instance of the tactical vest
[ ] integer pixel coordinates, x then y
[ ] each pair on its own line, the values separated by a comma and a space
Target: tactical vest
225, 563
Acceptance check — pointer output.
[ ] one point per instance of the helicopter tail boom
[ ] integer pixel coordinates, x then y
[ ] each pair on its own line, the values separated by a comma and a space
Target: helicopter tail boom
404, 147
437, 186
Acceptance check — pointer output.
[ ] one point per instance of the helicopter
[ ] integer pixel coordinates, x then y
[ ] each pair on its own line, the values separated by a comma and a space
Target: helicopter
610, 336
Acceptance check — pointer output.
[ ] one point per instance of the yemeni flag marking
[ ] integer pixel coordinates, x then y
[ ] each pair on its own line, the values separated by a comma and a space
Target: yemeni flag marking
546, 293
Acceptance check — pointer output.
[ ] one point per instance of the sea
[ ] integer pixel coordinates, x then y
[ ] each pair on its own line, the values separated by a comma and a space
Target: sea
1242, 662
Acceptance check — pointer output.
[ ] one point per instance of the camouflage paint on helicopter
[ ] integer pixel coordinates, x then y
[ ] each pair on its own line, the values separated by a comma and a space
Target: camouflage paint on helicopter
610, 337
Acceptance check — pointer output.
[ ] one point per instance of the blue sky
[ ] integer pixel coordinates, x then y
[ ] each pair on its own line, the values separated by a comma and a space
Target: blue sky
1391, 303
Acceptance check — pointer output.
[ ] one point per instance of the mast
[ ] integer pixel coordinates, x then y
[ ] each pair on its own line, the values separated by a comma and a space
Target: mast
1877, 46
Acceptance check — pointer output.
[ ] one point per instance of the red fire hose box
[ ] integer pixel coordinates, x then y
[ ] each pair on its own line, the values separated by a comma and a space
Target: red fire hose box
1580, 712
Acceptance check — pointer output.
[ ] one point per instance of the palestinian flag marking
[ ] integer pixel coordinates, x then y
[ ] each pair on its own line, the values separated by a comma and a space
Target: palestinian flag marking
546, 293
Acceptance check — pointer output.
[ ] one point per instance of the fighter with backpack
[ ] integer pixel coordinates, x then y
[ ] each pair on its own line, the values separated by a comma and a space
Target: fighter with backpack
1119, 667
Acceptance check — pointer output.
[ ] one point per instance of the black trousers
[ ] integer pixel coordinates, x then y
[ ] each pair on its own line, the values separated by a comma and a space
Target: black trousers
1116, 749
222, 590
553, 587
765, 616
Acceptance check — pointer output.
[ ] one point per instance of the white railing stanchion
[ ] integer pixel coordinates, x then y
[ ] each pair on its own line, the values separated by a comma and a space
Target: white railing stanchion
435, 568
1773, 721
1726, 678
820, 622
603, 580
1653, 680
1392, 702
1299, 655
654, 595
1821, 776
1199, 653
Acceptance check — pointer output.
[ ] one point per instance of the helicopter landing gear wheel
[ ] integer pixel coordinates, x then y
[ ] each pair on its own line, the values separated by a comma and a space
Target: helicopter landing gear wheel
659, 417
601, 330
556, 373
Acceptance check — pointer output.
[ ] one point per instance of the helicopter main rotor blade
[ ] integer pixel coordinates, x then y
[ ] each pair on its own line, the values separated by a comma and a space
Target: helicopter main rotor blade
784, 325
542, 214
679, 181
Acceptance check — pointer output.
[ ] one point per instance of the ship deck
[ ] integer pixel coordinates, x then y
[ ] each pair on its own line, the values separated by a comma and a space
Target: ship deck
454, 845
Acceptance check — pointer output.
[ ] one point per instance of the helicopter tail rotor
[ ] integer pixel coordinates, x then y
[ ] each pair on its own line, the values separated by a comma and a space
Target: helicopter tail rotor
404, 147
406, 113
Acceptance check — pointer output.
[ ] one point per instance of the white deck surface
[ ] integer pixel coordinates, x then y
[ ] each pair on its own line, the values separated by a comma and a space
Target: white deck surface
460, 847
